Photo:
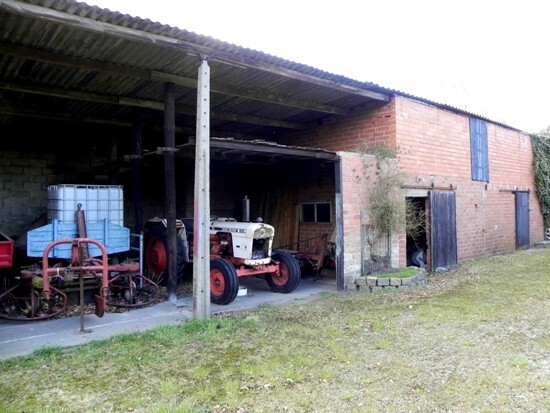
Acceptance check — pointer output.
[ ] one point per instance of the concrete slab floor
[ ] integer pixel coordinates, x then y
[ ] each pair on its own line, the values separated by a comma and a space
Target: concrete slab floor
20, 338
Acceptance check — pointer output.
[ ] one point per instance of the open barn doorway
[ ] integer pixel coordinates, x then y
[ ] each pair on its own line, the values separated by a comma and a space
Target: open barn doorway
417, 240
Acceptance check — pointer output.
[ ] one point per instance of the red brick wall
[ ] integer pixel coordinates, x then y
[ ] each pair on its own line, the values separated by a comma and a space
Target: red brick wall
434, 146
376, 126
357, 175
348, 136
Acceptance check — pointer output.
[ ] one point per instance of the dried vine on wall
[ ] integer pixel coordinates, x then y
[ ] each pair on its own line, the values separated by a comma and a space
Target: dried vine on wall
384, 182
388, 211
541, 150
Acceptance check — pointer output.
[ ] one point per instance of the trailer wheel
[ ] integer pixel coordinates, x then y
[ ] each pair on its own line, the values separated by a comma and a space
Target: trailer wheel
289, 273
156, 255
224, 283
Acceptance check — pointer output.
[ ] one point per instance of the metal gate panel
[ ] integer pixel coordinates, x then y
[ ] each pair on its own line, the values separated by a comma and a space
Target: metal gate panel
443, 244
522, 219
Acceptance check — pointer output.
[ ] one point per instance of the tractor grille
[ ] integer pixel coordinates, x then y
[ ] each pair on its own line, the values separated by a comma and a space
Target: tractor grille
260, 249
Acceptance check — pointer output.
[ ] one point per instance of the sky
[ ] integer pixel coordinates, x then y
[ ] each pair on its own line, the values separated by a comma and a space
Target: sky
488, 57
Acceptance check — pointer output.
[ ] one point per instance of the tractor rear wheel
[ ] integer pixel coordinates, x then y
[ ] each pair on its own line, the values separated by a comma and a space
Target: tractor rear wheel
289, 273
224, 282
156, 255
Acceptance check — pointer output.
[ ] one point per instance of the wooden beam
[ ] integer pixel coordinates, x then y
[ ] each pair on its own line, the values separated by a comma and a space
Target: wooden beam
257, 95
256, 120
74, 62
141, 103
57, 116
269, 148
137, 173
170, 189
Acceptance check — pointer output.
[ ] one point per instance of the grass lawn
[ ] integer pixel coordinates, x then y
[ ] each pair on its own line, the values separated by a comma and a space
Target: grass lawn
401, 273
475, 339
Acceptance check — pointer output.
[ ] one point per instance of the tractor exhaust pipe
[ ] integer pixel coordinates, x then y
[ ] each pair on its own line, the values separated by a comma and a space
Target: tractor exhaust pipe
246, 209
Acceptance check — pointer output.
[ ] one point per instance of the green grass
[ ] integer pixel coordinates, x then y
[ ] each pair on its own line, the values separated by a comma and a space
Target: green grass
401, 273
474, 339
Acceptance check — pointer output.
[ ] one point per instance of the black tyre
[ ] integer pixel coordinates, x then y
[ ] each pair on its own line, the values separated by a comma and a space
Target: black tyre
224, 283
289, 273
156, 255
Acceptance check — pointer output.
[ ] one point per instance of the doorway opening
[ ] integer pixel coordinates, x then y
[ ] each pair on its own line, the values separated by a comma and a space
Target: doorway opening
417, 240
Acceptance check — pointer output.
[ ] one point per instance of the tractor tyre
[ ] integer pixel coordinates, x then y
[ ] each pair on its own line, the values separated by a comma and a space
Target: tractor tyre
224, 282
289, 273
156, 255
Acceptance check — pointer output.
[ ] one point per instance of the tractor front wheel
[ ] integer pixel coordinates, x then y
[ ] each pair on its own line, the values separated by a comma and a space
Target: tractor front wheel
289, 273
224, 282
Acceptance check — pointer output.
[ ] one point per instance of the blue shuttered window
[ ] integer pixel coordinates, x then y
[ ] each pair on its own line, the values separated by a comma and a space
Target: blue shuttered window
479, 150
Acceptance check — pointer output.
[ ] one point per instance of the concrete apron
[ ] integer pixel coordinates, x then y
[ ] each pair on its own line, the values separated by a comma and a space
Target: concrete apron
20, 338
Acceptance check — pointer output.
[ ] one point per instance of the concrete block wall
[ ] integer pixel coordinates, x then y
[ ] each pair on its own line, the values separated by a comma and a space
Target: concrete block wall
23, 188
24, 180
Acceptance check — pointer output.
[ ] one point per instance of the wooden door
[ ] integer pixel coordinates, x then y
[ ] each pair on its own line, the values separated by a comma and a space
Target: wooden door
522, 219
443, 229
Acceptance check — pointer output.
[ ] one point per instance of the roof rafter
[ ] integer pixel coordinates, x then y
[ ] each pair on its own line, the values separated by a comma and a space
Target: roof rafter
142, 103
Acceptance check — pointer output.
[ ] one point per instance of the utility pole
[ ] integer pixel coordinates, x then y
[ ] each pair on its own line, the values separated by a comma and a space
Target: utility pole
201, 215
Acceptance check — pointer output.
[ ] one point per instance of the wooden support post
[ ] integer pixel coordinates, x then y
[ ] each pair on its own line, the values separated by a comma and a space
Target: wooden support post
201, 215
137, 174
170, 187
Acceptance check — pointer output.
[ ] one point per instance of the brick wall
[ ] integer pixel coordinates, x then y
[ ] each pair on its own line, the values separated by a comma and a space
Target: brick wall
361, 241
376, 126
348, 137
354, 202
434, 146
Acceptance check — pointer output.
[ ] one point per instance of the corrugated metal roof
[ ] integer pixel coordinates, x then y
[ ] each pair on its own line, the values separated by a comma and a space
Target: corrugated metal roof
62, 60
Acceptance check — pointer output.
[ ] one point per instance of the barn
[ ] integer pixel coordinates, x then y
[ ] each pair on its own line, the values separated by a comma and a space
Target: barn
93, 97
